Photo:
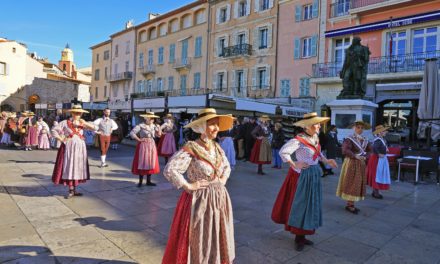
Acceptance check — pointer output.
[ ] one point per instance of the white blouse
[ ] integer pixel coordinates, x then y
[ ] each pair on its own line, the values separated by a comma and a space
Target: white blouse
302, 153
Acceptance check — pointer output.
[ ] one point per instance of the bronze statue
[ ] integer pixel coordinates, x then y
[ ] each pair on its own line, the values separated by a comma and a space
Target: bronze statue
354, 71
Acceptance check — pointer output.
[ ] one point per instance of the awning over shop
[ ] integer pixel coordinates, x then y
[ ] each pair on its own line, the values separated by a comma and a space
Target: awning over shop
94, 106
384, 24
269, 108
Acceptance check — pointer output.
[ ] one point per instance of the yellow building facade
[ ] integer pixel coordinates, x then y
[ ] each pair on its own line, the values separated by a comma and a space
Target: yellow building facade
101, 69
172, 53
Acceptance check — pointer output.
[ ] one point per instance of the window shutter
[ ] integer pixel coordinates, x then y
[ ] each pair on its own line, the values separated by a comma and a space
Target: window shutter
214, 83
228, 12
225, 80
234, 77
216, 47
314, 45
270, 3
7, 69
269, 36
236, 9
245, 76
248, 7
256, 5
307, 86
217, 19
296, 48
226, 41
246, 36
298, 10
268, 77
254, 78
315, 8
256, 38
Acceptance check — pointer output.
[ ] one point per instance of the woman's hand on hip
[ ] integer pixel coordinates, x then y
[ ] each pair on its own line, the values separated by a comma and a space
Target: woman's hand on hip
198, 185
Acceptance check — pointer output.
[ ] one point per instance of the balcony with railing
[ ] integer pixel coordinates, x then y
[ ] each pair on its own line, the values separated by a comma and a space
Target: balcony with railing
148, 94
122, 76
183, 63
358, 6
148, 69
411, 62
239, 50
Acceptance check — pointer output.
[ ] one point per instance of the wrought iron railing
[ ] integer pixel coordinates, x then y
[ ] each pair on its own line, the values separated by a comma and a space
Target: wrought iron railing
237, 50
148, 94
121, 76
380, 65
182, 63
362, 3
340, 9
149, 68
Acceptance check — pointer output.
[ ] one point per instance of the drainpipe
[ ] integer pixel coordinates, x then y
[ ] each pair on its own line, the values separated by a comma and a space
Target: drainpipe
276, 50
207, 45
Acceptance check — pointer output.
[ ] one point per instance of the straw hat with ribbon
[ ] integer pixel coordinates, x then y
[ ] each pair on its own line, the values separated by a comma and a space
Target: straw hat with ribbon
264, 118
30, 114
379, 129
149, 115
225, 121
77, 109
311, 119
362, 123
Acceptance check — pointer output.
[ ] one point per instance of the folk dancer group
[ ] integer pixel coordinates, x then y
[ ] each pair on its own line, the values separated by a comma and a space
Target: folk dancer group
204, 209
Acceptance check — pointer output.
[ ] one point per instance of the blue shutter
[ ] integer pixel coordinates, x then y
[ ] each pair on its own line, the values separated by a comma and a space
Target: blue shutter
307, 86
314, 45
198, 52
172, 52
296, 48
298, 10
315, 8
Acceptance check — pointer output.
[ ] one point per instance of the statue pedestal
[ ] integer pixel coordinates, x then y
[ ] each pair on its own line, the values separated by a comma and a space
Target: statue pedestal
346, 112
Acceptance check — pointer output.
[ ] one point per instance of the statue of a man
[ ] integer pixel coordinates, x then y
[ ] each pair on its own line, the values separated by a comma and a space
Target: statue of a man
354, 71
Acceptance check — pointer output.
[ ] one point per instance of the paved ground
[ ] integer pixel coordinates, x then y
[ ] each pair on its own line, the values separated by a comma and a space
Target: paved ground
116, 222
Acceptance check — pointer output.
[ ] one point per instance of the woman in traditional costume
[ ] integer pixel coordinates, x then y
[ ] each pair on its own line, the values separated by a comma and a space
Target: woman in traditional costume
145, 161
299, 203
32, 131
378, 169
262, 150
43, 134
167, 142
277, 143
352, 181
203, 229
71, 165
56, 129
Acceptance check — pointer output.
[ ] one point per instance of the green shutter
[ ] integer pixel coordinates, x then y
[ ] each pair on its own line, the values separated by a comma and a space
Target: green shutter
298, 10
315, 8
296, 48
314, 45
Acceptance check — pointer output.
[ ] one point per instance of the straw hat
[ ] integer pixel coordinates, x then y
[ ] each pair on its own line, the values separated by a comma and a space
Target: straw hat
264, 118
168, 116
380, 129
311, 119
149, 115
225, 121
30, 114
360, 122
77, 109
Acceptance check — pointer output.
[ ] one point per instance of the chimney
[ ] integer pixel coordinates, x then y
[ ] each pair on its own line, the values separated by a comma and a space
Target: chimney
152, 16
129, 24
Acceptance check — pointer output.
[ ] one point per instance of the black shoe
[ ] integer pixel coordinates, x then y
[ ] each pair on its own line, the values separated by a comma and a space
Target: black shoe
308, 242
331, 173
377, 195
150, 184
299, 246
352, 209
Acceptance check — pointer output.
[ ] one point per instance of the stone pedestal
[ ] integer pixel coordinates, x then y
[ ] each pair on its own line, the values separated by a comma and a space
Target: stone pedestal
346, 112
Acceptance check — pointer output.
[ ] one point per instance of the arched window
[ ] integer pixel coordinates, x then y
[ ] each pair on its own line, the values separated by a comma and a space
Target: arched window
152, 34
174, 25
162, 29
143, 36
200, 17
186, 21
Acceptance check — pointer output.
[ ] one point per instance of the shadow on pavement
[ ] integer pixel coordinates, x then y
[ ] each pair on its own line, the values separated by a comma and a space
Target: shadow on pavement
111, 225
32, 161
37, 254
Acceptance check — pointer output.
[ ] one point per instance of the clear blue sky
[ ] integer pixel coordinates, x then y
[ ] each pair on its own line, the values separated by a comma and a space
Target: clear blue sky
47, 25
